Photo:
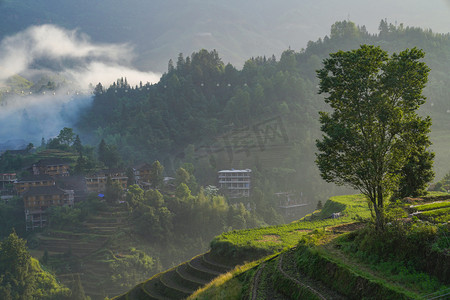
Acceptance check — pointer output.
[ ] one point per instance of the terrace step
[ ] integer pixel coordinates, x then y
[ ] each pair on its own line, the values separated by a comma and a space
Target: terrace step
185, 271
169, 279
186, 281
164, 290
200, 270
210, 263
151, 288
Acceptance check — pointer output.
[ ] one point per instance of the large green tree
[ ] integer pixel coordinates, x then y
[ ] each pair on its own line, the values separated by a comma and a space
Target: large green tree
66, 136
373, 129
21, 276
108, 154
17, 280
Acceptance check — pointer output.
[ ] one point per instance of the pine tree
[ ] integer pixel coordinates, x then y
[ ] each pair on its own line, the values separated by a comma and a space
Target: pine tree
77, 289
78, 146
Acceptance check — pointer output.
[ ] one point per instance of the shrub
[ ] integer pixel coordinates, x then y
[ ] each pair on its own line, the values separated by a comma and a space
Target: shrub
416, 246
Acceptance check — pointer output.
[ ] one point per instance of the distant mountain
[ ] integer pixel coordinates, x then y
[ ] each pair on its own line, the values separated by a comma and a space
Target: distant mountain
13, 144
160, 30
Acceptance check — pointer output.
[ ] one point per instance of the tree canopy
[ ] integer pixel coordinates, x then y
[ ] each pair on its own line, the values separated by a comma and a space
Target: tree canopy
373, 130
21, 276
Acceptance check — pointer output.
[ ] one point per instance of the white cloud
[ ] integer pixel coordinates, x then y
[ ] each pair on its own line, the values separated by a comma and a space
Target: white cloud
74, 54
49, 50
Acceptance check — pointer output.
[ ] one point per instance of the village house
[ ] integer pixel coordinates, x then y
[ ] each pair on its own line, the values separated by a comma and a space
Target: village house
96, 183
142, 175
77, 183
16, 152
39, 191
33, 181
7, 182
52, 167
38, 199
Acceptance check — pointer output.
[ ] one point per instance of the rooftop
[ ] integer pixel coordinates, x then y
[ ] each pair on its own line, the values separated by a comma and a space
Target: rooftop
34, 178
52, 162
44, 190
106, 173
235, 171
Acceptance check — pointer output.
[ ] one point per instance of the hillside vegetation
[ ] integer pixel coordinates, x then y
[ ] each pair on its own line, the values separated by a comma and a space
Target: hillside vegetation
22, 277
318, 257
263, 116
112, 246
341, 261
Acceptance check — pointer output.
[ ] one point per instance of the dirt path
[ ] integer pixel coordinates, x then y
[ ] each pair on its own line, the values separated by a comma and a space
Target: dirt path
280, 268
256, 281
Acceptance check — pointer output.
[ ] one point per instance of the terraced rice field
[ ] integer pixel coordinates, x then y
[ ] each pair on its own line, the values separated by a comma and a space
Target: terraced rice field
180, 281
86, 247
436, 211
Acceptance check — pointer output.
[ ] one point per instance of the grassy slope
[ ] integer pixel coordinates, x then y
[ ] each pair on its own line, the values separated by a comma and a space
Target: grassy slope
267, 240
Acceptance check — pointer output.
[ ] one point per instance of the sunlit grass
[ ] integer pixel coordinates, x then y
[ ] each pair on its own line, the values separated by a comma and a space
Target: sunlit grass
431, 206
228, 285
350, 207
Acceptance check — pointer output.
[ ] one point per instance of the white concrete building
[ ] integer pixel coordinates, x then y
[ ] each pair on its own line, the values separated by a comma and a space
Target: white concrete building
236, 183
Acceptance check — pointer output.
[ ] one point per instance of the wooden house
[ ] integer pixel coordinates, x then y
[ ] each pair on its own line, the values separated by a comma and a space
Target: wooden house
33, 181
96, 183
52, 167
39, 198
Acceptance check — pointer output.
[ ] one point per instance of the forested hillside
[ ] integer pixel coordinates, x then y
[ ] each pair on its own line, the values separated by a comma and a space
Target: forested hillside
264, 116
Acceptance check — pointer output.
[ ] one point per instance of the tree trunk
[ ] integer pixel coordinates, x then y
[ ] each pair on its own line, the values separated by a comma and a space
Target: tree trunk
379, 209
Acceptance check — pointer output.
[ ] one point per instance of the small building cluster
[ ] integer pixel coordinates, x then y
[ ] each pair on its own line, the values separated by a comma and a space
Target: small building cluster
39, 191
50, 184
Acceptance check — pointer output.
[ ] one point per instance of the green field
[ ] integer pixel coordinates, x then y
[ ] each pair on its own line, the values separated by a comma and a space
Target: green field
267, 240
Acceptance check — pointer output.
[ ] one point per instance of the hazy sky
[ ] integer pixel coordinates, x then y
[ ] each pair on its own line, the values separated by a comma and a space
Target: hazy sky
313, 18
280, 24
159, 29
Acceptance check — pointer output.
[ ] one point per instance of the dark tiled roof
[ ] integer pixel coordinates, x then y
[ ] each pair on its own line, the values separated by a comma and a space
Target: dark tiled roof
106, 173
72, 182
52, 162
34, 178
43, 190
143, 166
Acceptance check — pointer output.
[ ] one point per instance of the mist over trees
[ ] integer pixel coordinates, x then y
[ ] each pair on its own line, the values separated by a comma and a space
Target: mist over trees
204, 102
